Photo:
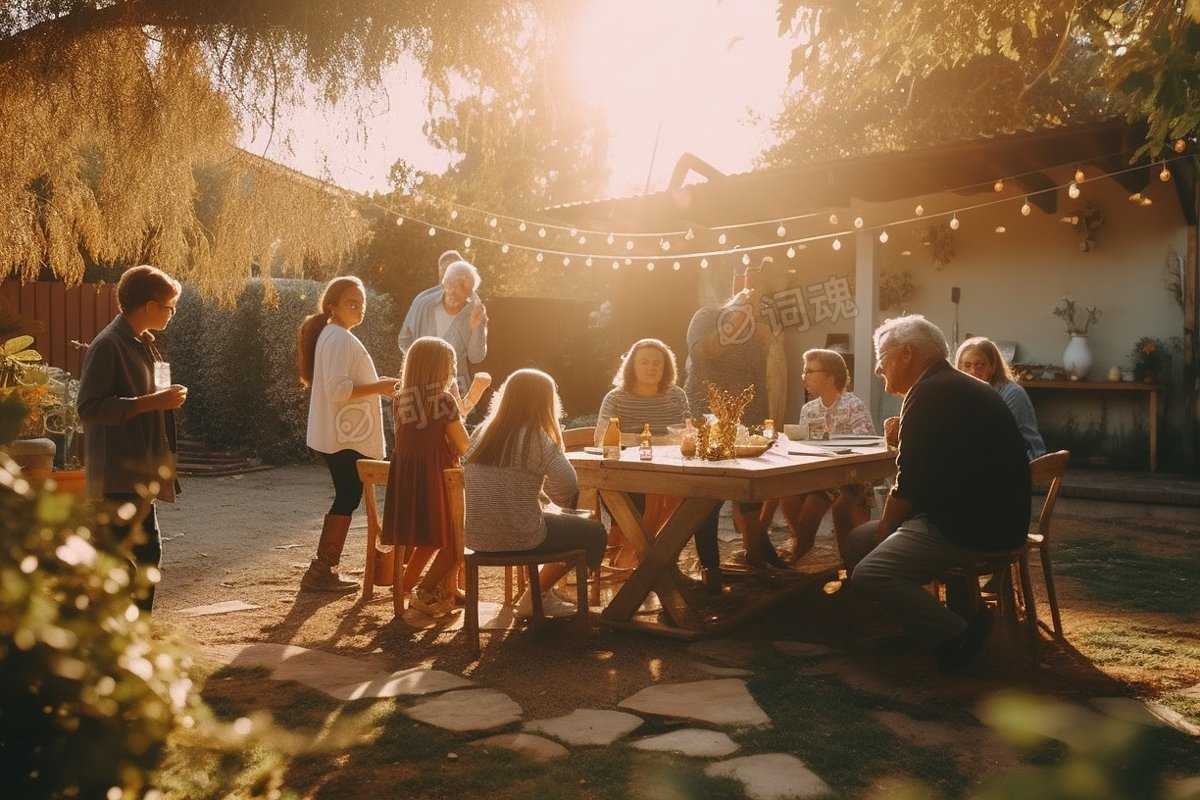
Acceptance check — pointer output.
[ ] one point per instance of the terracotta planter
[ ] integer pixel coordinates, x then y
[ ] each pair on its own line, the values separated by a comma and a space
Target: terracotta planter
33, 454
71, 481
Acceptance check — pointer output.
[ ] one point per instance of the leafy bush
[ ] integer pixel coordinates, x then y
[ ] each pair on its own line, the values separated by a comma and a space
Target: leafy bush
239, 365
87, 697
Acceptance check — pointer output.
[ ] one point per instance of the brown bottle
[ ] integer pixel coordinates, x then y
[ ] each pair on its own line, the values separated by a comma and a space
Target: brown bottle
612, 439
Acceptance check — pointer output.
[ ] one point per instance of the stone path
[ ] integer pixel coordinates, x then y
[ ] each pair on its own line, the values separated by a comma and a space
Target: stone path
456, 704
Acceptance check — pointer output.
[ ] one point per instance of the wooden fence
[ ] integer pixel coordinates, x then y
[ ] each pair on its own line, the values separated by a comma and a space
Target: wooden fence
63, 315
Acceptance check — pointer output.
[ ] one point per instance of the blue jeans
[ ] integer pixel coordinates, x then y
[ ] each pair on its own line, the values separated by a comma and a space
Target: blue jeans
894, 573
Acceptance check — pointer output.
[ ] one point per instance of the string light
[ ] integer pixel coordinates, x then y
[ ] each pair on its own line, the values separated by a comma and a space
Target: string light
493, 222
610, 239
1165, 174
399, 221
919, 210
746, 259
998, 186
954, 222
573, 232
616, 264
566, 261
1000, 229
791, 252
588, 262
522, 227
649, 266
1145, 201
665, 245
833, 220
722, 239
676, 266
691, 234
704, 263
454, 214
540, 257
858, 222
582, 240
542, 233
781, 231
837, 244
883, 237
504, 248
432, 231
1073, 190
1026, 209
467, 243
1180, 145
1079, 176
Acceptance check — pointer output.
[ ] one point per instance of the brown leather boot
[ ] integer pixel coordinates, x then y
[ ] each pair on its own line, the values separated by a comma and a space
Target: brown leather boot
322, 575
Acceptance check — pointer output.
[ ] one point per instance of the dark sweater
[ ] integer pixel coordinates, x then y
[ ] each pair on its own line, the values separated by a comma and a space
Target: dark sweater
962, 460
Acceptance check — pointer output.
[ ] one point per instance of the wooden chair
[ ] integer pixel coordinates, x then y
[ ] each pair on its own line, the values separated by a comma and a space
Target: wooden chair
1048, 469
1044, 469
374, 473
576, 558
575, 439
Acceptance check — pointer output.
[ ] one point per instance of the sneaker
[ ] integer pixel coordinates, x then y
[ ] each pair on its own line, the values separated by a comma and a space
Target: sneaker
426, 602
957, 655
552, 605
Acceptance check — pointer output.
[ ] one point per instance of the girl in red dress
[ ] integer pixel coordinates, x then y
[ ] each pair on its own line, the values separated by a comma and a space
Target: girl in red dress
430, 437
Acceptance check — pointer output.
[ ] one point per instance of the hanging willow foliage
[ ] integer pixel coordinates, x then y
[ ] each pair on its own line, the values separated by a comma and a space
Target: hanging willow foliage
102, 142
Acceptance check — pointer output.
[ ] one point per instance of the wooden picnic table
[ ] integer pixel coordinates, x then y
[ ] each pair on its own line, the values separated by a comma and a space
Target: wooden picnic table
704, 485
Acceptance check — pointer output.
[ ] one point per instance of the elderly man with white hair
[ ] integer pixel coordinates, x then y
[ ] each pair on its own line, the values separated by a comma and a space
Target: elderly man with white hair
454, 313
962, 489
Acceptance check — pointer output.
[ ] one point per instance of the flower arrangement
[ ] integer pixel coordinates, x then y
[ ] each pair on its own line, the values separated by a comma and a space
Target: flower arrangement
1065, 310
1151, 358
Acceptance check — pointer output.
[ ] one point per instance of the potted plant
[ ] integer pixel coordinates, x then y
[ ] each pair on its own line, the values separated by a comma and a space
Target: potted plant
1151, 358
1077, 358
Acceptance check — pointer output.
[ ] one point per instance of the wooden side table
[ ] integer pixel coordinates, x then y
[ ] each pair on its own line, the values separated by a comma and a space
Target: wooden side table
1151, 390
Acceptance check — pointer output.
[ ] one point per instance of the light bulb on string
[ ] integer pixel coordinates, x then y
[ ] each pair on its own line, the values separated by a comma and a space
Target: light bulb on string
540, 258
998, 186
573, 232
1164, 175
919, 210
1180, 145
722, 239
589, 262
858, 222
432, 231
833, 219
691, 234
675, 266
467, 243
954, 222
566, 261
399, 220
781, 231
1079, 176
1026, 209
1000, 229
665, 245
522, 227
583, 240
454, 214
791, 252
610, 239
1145, 201
837, 244
746, 259
616, 264
1073, 190
504, 248
883, 237
493, 222
649, 266
704, 263
542, 232
628, 261
629, 244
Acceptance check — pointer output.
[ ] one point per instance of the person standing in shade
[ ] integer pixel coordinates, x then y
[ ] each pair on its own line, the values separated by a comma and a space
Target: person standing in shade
345, 420
962, 490
129, 424
980, 357
454, 313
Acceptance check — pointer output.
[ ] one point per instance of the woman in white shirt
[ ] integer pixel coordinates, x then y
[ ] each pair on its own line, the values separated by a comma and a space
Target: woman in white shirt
345, 422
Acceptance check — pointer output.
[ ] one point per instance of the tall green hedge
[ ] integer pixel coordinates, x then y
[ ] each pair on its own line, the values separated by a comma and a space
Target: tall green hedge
239, 365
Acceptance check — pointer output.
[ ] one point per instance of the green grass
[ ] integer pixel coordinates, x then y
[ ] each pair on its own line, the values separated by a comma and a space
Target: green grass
1116, 574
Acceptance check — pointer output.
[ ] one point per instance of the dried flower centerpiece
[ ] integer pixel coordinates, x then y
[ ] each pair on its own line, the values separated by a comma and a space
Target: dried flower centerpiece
1065, 310
716, 442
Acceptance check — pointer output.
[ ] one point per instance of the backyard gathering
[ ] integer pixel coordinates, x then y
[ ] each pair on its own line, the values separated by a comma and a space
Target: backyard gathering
682, 562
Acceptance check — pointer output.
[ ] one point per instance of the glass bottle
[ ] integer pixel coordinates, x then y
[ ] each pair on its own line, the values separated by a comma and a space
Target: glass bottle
612, 439
688, 439
645, 445
769, 428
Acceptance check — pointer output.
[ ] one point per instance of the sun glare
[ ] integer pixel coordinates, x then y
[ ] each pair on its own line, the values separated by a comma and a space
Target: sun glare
700, 76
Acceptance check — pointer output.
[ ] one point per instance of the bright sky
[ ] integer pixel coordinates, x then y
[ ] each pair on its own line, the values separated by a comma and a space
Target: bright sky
709, 72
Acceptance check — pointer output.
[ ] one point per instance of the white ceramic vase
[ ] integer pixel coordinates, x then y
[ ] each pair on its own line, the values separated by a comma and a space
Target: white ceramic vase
1077, 358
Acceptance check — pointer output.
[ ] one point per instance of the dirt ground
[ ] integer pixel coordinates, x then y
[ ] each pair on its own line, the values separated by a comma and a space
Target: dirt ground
250, 537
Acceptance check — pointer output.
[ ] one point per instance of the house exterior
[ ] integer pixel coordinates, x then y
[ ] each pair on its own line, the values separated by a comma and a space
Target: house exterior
991, 224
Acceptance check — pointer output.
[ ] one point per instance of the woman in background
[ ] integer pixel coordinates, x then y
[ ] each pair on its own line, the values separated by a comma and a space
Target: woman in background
345, 421
980, 357
515, 455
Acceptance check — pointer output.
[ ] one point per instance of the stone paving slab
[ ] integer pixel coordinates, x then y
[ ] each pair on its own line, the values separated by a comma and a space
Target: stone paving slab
588, 726
534, 748
772, 776
324, 672
725, 701
695, 742
714, 671
804, 649
405, 683
467, 710
224, 607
